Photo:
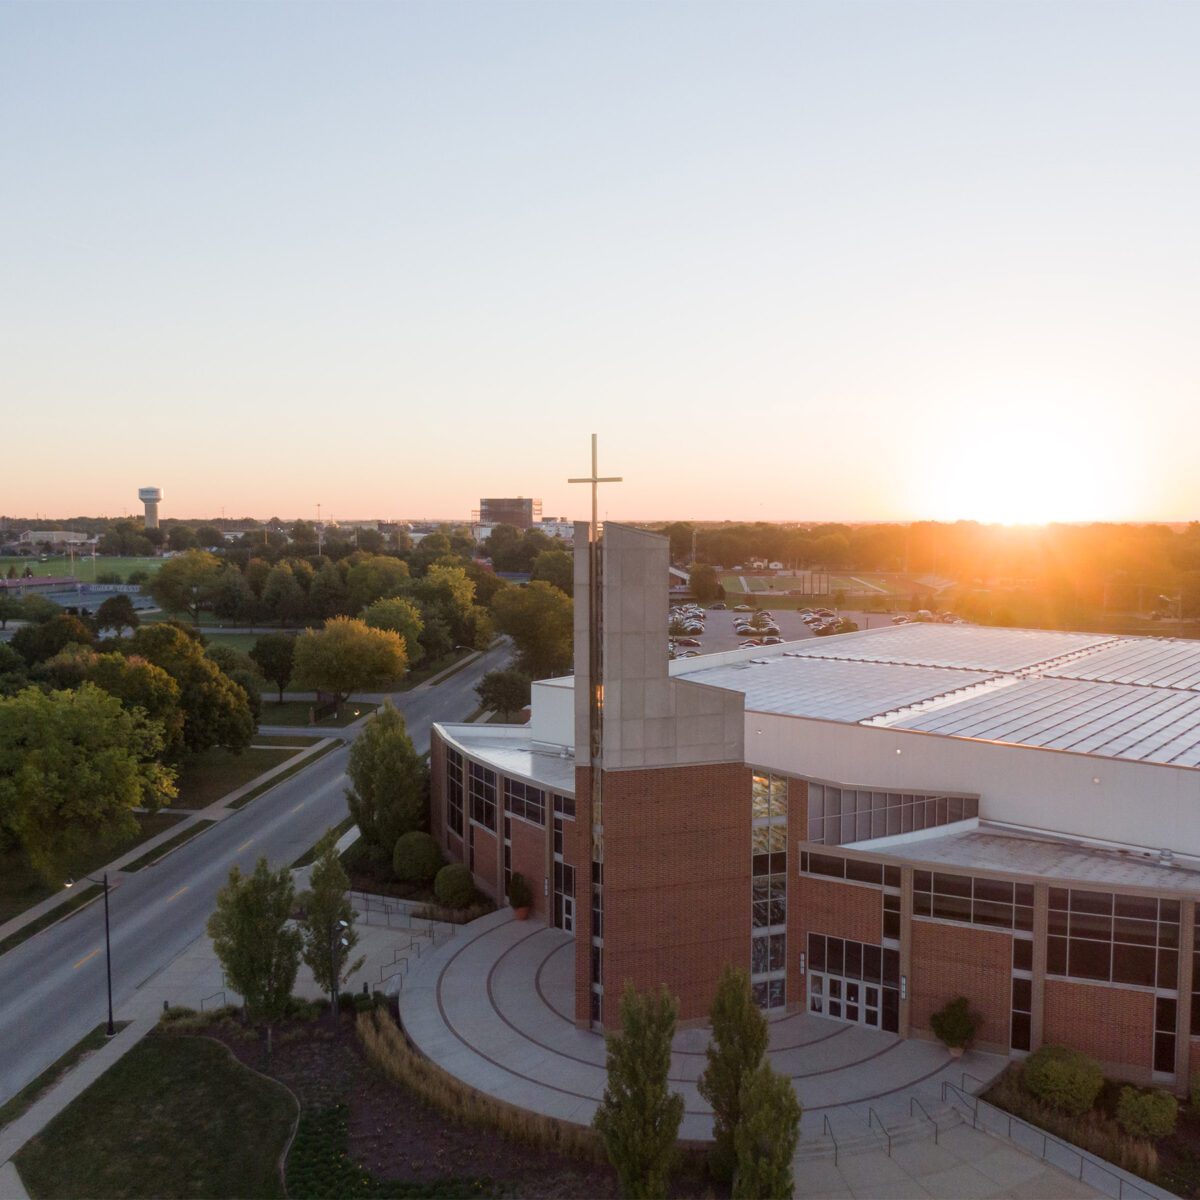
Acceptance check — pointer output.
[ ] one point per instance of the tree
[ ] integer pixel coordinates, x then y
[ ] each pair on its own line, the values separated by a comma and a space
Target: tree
539, 619
13, 675
505, 691
233, 598
556, 567
38, 610
401, 616
209, 536
766, 1136
389, 781
243, 670
10, 608
258, 949
181, 537
73, 766
117, 613
216, 710
639, 1116
705, 583
328, 923
283, 597
185, 584
373, 578
36, 643
327, 594
139, 684
737, 1045
346, 657
274, 654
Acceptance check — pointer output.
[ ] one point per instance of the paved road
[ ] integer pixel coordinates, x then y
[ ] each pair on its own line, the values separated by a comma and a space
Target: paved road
52, 987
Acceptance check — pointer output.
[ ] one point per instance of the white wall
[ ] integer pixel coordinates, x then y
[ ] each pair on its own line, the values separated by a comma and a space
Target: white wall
553, 713
1137, 804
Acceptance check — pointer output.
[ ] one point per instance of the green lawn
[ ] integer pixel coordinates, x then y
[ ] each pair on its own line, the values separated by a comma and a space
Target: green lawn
21, 887
204, 778
287, 739
295, 712
242, 642
176, 1117
59, 566
33, 1091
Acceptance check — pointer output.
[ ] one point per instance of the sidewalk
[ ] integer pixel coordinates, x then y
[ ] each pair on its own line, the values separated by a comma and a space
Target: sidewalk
219, 810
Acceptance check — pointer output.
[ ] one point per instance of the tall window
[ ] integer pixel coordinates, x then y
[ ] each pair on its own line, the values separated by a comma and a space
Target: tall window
454, 791
482, 792
768, 849
839, 815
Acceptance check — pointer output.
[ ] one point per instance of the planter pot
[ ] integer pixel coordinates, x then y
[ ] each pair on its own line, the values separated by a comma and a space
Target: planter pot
522, 914
955, 1051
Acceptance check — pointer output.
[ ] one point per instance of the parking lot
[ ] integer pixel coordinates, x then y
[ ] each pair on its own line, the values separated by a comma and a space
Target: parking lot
719, 634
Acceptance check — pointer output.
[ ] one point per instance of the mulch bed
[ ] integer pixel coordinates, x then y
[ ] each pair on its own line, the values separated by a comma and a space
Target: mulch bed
397, 1137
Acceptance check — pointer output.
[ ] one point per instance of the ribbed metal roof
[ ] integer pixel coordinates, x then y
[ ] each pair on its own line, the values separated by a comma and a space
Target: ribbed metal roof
831, 690
970, 647
1109, 719
1114, 697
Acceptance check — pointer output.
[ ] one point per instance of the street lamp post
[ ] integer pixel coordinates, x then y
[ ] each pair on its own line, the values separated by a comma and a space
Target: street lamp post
111, 1030
336, 942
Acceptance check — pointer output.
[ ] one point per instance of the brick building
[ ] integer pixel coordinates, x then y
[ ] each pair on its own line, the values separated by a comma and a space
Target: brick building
872, 824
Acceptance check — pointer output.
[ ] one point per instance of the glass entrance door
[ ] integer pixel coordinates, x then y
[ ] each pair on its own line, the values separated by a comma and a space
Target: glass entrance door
843, 999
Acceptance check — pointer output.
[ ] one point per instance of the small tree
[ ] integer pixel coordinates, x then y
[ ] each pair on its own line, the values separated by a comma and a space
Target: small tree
258, 949
117, 613
766, 1136
389, 781
739, 1040
639, 1116
505, 691
328, 925
274, 654
346, 656
955, 1024
10, 607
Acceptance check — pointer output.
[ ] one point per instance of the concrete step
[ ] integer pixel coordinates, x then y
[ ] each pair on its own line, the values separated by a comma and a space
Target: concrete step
871, 1139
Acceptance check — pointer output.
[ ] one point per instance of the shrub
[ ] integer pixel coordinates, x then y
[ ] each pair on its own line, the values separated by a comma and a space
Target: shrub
765, 1136
416, 858
1065, 1079
1194, 1094
520, 894
955, 1023
454, 886
1147, 1114
177, 1012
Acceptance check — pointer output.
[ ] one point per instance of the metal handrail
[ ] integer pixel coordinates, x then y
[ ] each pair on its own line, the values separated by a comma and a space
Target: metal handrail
967, 1075
212, 997
913, 1100
395, 961
872, 1115
827, 1128
973, 1104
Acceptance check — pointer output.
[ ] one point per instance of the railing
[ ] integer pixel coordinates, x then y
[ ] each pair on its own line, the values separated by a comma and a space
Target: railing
213, 997
394, 963
912, 1100
1086, 1164
827, 1128
395, 915
873, 1116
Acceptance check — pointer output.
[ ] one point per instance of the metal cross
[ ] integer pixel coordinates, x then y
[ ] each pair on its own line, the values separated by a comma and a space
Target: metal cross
595, 479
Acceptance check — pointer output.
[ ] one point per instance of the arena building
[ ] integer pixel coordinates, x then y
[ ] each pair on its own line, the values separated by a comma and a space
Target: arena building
871, 824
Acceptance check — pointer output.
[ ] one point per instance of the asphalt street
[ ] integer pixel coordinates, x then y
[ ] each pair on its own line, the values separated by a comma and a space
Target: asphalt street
52, 987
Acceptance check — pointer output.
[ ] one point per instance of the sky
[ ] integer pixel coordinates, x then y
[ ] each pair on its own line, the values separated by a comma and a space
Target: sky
790, 261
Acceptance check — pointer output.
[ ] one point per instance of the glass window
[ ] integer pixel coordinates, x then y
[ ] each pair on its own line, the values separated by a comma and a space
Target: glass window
1089, 960
1022, 955
454, 791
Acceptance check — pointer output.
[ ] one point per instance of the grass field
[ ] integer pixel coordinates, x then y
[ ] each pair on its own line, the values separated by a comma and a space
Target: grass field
21, 887
59, 566
177, 1116
204, 778
243, 642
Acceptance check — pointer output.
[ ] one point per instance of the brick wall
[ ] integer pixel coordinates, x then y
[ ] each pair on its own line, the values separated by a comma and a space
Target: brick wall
958, 960
529, 859
1113, 1024
843, 909
485, 869
677, 880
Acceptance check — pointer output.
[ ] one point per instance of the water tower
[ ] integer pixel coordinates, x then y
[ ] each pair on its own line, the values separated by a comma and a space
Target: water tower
150, 497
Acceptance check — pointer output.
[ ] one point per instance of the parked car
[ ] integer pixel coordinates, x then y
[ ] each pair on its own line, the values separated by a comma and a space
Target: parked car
716, 608
687, 641
742, 608
899, 619
772, 641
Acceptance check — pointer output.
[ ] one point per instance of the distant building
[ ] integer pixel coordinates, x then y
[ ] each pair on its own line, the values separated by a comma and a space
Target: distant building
53, 537
519, 511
